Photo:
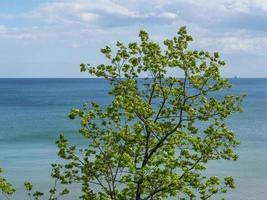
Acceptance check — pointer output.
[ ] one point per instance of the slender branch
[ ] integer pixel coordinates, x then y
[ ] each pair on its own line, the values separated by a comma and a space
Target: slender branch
157, 191
192, 167
163, 101
54, 188
101, 184
152, 91
160, 143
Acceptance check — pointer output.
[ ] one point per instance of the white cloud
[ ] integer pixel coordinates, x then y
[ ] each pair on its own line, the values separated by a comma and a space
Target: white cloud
97, 13
66, 10
234, 43
88, 17
252, 45
229, 26
261, 4
244, 6
33, 33
75, 45
63, 18
168, 15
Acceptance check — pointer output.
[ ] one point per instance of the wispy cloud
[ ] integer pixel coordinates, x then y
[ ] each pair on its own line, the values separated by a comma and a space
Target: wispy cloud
230, 26
80, 15
217, 16
234, 44
97, 13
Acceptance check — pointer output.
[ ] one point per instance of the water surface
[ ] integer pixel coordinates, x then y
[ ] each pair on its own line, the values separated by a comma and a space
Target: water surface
33, 112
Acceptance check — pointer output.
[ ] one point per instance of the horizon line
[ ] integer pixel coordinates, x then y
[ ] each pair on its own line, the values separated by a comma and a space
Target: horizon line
232, 77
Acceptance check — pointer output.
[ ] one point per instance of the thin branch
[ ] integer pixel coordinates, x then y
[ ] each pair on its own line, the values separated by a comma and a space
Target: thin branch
160, 143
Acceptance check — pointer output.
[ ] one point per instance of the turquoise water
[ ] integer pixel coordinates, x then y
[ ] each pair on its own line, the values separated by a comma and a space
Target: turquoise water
33, 112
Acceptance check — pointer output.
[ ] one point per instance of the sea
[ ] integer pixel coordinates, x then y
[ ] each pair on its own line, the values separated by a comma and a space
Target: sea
33, 112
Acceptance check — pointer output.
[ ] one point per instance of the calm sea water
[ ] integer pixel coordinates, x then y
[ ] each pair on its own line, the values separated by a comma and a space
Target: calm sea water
33, 112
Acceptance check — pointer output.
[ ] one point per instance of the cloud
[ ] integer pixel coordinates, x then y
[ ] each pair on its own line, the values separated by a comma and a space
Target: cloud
33, 33
218, 14
88, 17
75, 45
168, 15
229, 25
233, 43
233, 27
66, 10
255, 45
97, 13
74, 17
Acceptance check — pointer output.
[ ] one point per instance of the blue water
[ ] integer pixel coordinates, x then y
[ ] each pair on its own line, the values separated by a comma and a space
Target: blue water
33, 112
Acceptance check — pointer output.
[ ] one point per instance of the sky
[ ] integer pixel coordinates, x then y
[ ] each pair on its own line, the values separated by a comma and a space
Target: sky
50, 38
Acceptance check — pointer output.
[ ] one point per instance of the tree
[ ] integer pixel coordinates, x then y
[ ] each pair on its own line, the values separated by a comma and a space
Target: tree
155, 138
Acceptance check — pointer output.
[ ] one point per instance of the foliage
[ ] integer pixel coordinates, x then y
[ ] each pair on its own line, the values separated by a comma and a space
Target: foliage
54, 194
6, 188
155, 138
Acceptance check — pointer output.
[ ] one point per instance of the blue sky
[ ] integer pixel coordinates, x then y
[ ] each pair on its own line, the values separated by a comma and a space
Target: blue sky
50, 38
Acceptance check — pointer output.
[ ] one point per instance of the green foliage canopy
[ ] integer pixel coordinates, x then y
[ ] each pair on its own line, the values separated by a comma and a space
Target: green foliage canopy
154, 140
